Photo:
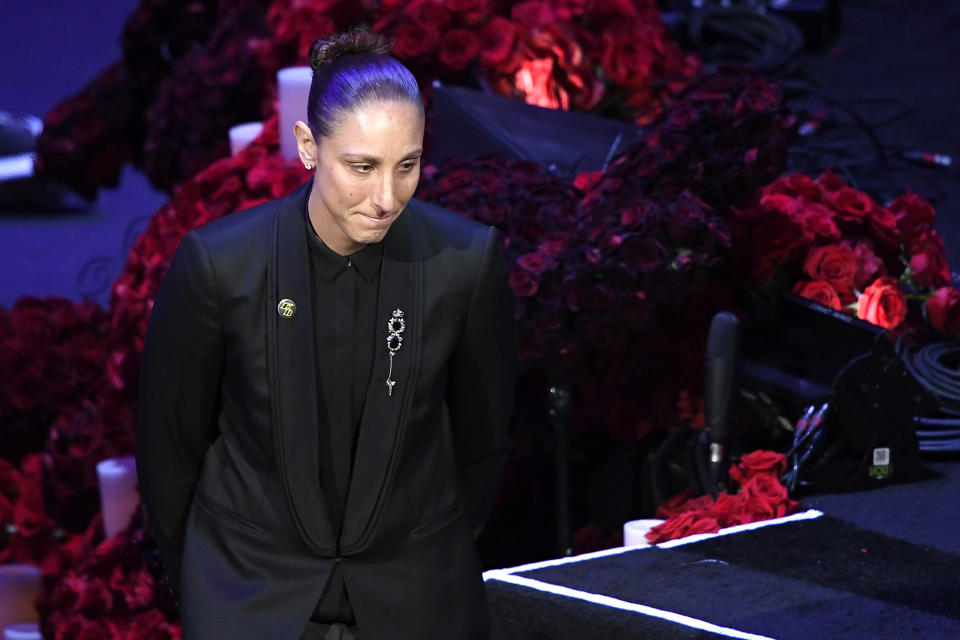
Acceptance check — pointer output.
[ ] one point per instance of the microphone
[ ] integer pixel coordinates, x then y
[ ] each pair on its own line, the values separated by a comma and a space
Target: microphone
720, 371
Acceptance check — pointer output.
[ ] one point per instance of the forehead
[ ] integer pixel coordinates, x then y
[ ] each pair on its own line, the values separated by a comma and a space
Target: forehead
379, 126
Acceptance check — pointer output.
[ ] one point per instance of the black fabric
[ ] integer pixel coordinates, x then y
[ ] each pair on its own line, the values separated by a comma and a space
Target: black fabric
344, 298
821, 578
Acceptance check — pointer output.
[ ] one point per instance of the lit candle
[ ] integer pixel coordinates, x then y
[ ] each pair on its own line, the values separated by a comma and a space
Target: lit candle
635, 532
119, 496
19, 588
242, 135
26, 631
293, 89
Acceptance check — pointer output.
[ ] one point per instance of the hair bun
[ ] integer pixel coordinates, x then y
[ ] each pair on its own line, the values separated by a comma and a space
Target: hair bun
357, 42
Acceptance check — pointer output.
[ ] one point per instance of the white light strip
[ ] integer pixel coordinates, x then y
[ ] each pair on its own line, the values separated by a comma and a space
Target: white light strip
16, 167
607, 601
806, 515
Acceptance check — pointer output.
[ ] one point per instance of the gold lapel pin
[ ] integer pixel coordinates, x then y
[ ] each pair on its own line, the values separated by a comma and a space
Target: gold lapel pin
287, 308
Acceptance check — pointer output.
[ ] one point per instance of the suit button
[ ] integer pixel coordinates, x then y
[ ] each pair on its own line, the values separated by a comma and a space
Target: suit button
339, 560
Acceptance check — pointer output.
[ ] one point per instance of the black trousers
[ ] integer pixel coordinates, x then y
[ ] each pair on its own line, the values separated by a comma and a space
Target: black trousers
335, 631
332, 618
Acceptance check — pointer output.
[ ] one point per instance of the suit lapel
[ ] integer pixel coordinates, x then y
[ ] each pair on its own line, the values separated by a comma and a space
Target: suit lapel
293, 374
384, 414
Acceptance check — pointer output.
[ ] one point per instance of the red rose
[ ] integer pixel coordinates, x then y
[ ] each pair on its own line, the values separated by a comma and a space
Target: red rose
534, 14
470, 11
836, 264
457, 48
684, 501
523, 284
829, 183
883, 226
929, 240
611, 11
586, 180
852, 206
782, 203
819, 291
795, 184
535, 262
943, 310
760, 461
818, 219
429, 12
869, 266
883, 303
929, 268
415, 40
627, 59
672, 529
497, 45
914, 215
775, 240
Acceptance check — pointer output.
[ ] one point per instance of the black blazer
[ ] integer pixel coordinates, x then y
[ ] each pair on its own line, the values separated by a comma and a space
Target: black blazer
227, 447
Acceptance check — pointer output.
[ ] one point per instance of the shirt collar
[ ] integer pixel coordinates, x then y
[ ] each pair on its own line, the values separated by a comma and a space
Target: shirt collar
329, 264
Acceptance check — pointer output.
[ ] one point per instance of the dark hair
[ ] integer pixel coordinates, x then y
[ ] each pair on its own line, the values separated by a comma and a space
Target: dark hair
350, 70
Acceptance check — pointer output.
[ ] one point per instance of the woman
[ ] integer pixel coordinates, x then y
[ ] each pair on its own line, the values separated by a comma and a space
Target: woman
326, 386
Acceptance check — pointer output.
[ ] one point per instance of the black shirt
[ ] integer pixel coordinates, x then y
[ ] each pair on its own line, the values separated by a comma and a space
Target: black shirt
344, 298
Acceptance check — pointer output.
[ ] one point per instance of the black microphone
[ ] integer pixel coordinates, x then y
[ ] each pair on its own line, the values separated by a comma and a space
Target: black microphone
720, 371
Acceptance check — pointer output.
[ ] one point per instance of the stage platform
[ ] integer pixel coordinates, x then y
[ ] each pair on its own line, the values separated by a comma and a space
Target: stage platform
806, 576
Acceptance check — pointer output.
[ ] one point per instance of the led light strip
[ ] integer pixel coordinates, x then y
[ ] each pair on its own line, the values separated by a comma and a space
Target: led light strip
507, 575
614, 603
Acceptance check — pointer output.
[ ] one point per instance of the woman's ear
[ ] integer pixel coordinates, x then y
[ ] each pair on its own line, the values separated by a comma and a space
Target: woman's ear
306, 145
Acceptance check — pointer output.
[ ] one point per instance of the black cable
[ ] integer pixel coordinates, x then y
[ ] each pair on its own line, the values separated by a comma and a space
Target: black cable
936, 366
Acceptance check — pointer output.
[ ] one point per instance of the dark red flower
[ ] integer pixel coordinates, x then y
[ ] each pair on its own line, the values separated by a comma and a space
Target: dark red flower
914, 215
535, 262
627, 58
498, 45
457, 48
929, 268
836, 264
414, 40
943, 310
869, 266
883, 303
523, 284
819, 291
429, 13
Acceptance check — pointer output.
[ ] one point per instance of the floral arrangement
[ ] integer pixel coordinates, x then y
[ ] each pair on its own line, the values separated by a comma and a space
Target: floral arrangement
197, 68
623, 270
833, 244
760, 496
111, 590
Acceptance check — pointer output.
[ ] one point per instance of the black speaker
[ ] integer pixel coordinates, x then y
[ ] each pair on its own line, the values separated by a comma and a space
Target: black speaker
469, 123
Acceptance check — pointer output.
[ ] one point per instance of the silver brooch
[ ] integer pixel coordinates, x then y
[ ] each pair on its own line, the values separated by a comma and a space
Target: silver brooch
395, 326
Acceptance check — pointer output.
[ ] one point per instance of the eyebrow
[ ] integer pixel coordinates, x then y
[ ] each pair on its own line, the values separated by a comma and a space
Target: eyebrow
362, 157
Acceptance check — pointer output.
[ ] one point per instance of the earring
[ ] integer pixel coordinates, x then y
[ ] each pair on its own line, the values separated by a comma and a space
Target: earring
308, 166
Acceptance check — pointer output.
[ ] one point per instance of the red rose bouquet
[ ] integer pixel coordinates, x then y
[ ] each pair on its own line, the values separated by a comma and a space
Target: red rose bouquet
761, 496
833, 244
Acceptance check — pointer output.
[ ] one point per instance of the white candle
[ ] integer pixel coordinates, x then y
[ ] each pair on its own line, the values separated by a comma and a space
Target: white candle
293, 89
242, 135
635, 532
19, 588
26, 631
119, 496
